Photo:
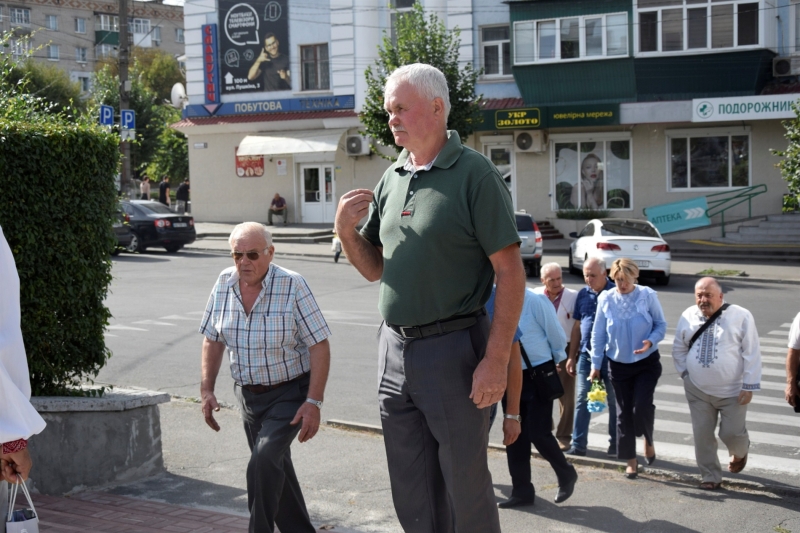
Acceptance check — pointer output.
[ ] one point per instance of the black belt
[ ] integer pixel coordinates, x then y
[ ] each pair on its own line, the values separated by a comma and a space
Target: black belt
261, 389
448, 325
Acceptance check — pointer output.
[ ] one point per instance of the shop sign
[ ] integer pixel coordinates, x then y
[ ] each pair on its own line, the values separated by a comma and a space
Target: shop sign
249, 166
677, 216
579, 116
254, 46
283, 105
773, 106
517, 119
210, 70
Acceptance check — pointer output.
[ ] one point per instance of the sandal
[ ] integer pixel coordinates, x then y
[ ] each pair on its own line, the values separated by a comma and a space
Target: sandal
709, 485
737, 465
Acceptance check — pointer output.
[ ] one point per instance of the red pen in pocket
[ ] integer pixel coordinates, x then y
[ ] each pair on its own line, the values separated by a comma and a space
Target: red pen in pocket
405, 214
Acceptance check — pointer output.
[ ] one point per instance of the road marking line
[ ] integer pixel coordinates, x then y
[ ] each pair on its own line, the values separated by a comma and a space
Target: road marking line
178, 317
752, 416
757, 399
127, 328
154, 323
373, 325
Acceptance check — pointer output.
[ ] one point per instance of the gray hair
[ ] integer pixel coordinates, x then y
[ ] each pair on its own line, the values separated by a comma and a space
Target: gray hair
426, 79
247, 228
547, 267
592, 261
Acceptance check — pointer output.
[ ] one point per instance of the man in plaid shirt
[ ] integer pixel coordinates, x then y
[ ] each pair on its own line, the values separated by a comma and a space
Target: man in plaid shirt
279, 355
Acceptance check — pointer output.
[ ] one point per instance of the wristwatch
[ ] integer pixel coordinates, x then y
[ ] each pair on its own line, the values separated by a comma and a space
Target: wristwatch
318, 403
513, 417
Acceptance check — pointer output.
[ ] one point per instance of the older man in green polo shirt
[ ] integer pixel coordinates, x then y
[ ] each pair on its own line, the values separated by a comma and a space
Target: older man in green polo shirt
440, 226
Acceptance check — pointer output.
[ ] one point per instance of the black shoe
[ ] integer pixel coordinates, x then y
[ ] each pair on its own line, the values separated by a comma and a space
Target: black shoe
612, 450
650, 460
515, 501
634, 474
574, 451
565, 491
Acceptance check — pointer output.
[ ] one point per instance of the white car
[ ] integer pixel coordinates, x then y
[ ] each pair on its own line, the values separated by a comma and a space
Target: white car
614, 238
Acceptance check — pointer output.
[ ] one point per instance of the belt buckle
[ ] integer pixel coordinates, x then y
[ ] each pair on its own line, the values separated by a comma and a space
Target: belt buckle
410, 330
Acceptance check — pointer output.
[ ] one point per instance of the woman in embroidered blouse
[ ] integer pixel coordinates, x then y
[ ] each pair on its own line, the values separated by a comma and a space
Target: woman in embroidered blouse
627, 329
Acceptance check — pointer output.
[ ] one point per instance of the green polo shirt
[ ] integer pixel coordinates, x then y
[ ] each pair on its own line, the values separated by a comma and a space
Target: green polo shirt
438, 229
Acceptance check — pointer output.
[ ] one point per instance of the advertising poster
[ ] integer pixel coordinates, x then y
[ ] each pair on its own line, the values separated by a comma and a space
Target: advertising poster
249, 166
254, 46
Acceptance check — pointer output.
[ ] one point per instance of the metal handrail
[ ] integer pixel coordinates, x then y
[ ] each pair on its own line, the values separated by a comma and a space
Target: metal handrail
734, 198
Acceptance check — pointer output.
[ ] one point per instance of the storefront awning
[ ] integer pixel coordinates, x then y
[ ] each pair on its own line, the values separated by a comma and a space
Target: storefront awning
291, 143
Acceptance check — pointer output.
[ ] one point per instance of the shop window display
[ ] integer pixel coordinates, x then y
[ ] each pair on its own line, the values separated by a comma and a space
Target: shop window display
592, 175
709, 161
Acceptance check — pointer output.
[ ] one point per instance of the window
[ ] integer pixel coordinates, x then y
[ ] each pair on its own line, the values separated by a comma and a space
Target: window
106, 22
80, 55
52, 52
179, 35
140, 26
156, 35
708, 159
80, 25
106, 50
19, 48
679, 25
51, 22
496, 51
572, 38
398, 8
316, 67
592, 174
86, 84
20, 16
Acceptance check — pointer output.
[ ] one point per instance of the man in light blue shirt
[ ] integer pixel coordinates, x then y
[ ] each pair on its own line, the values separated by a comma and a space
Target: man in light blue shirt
543, 341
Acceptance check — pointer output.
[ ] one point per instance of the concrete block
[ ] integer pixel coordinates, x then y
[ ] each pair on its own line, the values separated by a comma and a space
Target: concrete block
92, 442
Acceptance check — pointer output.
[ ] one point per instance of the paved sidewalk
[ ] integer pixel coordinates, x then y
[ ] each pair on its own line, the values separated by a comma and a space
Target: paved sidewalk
100, 511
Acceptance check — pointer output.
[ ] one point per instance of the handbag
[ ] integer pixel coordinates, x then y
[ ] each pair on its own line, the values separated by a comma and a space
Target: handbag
545, 377
22, 520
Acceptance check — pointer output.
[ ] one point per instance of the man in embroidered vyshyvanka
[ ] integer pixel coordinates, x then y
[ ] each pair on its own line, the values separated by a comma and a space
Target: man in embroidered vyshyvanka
720, 368
277, 342
18, 419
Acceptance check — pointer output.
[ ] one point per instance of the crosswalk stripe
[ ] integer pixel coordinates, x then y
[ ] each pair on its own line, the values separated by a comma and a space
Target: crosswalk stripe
127, 328
757, 398
780, 332
686, 453
153, 323
766, 371
773, 349
783, 342
178, 317
752, 416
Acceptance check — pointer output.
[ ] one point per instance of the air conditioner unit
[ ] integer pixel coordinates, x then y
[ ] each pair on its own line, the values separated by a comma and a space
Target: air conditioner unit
531, 141
785, 66
357, 145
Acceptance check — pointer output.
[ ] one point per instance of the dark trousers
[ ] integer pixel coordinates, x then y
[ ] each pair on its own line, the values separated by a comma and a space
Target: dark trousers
273, 492
634, 385
536, 413
436, 439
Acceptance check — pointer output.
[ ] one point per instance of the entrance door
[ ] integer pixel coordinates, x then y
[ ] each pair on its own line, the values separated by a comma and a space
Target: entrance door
318, 193
502, 155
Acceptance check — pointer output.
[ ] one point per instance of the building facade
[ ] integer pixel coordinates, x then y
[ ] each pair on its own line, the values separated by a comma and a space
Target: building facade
74, 36
586, 104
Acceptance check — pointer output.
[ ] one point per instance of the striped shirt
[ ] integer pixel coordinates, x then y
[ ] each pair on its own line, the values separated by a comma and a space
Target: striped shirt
270, 345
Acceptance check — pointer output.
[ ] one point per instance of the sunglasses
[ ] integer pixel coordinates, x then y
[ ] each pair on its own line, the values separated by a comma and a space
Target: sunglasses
252, 256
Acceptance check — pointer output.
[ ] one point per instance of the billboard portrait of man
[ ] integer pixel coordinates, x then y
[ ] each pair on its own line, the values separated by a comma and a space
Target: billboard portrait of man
254, 49
272, 65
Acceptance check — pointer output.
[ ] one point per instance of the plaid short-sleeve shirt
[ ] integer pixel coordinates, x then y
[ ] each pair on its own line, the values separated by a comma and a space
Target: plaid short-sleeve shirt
270, 345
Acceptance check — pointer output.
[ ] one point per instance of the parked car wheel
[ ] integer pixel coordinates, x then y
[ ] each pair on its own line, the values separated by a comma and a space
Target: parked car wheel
116, 250
172, 248
663, 281
135, 245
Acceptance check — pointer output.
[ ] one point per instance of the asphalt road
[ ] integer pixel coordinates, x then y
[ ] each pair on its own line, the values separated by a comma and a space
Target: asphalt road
157, 300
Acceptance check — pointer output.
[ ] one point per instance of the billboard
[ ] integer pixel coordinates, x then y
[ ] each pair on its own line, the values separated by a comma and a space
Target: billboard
254, 46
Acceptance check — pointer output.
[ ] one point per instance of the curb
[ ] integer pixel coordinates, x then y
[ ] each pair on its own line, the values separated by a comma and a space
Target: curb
609, 464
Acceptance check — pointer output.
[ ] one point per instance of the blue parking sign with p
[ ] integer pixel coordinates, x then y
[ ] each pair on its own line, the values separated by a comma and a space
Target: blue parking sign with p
106, 115
127, 119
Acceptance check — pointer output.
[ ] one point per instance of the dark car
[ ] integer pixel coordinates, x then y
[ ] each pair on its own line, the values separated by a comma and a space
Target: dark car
122, 231
531, 246
154, 224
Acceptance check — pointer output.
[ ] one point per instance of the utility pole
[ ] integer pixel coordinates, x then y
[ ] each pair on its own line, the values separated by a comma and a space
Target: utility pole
124, 93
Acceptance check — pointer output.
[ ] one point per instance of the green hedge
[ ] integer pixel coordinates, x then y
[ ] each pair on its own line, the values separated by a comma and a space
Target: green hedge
57, 203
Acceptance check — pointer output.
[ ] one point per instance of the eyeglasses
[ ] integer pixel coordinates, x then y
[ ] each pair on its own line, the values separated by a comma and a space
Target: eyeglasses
252, 256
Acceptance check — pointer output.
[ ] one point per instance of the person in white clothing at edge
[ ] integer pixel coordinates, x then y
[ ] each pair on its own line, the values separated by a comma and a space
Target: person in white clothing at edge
18, 419
564, 301
720, 368
792, 362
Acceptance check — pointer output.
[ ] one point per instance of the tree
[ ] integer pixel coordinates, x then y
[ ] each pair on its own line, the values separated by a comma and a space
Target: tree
49, 83
422, 39
172, 155
790, 165
155, 69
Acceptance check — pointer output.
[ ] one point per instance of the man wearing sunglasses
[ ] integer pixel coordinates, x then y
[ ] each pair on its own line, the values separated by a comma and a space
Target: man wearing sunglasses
279, 356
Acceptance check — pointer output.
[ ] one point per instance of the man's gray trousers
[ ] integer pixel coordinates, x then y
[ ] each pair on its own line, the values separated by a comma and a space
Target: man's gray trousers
436, 439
